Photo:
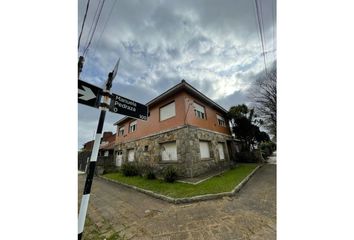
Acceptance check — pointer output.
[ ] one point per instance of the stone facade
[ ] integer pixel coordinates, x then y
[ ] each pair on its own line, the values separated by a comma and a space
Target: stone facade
148, 150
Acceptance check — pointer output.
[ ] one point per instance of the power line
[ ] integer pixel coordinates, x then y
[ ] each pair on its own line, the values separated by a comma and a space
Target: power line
105, 24
83, 23
95, 22
261, 34
274, 26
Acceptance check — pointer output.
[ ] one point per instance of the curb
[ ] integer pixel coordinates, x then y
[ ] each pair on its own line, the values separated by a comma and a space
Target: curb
188, 199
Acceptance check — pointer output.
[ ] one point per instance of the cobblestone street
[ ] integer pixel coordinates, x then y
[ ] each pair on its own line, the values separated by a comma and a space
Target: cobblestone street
250, 214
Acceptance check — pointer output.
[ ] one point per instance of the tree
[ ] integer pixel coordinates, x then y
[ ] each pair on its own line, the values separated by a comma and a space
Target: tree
244, 125
264, 96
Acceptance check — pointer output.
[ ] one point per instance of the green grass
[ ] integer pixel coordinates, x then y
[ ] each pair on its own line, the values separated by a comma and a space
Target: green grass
225, 182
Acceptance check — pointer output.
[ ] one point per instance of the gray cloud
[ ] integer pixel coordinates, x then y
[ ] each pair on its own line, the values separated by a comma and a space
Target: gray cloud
213, 45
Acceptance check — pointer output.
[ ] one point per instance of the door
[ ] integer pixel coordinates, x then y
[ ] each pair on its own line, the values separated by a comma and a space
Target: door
119, 158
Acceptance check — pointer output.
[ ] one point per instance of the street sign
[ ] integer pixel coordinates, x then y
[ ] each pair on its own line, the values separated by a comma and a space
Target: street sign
128, 107
89, 94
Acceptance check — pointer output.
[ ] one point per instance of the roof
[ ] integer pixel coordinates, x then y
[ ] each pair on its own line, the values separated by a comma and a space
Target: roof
110, 141
183, 85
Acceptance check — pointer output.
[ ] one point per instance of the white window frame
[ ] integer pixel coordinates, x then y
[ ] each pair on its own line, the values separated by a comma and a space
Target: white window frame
204, 154
121, 131
133, 126
221, 120
169, 151
199, 111
168, 111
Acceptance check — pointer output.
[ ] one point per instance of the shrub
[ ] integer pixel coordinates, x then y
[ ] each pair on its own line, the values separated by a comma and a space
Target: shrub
170, 174
249, 157
150, 175
129, 169
244, 157
267, 148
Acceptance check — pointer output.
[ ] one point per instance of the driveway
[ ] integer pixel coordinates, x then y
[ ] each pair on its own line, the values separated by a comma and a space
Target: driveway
250, 214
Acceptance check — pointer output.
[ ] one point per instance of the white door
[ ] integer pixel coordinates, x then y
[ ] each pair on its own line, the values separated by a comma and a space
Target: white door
119, 159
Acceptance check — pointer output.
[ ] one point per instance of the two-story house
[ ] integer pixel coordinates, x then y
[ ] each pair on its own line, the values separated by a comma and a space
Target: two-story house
184, 128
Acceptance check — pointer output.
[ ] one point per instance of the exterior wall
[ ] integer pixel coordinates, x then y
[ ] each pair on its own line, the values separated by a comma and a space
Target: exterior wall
201, 166
188, 162
153, 124
184, 116
211, 122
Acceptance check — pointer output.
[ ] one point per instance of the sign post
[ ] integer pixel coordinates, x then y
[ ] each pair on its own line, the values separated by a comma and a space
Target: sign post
93, 96
105, 103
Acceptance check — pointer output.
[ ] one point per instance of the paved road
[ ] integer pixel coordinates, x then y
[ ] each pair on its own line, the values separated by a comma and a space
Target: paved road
251, 214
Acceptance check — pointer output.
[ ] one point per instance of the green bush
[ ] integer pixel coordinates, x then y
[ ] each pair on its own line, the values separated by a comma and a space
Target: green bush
150, 175
246, 157
267, 148
129, 169
170, 174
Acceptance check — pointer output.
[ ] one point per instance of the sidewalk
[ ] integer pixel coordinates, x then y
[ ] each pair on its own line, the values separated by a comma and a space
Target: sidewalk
273, 158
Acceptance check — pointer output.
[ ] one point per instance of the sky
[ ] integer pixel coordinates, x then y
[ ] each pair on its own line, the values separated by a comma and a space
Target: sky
214, 45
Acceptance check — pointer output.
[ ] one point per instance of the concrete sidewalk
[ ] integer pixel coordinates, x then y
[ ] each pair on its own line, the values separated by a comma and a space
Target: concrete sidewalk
273, 158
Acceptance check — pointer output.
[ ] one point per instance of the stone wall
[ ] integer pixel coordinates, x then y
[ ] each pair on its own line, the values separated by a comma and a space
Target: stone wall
188, 163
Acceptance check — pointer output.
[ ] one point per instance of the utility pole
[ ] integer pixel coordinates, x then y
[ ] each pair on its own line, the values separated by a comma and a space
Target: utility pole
104, 106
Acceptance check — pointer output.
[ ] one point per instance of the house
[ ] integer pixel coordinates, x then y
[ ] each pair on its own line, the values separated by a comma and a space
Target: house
185, 129
85, 153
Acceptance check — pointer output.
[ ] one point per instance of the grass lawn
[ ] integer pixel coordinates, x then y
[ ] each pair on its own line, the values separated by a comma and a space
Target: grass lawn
225, 182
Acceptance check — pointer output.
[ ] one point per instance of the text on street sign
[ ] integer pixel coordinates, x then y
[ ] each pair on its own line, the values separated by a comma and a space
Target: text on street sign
128, 107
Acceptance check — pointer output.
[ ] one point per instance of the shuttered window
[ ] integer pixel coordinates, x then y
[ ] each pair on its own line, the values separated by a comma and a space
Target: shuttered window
169, 151
221, 151
121, 131
131, 155
221, 120
168, 111
204, 149
199, 111
132, 126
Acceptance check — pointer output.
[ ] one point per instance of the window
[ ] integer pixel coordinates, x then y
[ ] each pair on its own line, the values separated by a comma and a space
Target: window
130, 155
106, 153
121, 131
221, 120
204, 149
169, 151
199, 111
168, 111
132, 126
221, 151
146, 148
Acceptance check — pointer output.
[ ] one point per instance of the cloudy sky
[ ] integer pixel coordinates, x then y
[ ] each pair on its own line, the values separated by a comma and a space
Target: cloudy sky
214, 45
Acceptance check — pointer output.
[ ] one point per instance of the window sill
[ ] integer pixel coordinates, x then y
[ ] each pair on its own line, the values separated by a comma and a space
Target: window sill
167, 118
